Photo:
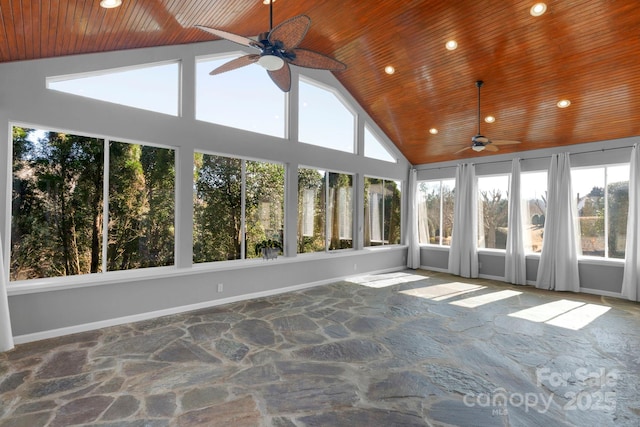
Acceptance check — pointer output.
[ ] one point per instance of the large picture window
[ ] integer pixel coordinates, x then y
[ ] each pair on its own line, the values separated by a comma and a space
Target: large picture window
237, 204
61, 224
493, 209
382, 212
533, 191
602, 195
325, 210
435, 211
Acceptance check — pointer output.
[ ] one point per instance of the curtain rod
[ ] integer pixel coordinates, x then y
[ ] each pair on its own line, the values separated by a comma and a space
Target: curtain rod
602, 150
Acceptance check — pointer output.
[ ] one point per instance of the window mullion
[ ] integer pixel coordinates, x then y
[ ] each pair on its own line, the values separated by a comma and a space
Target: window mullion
441, 215
105, 204
243, 206
327, 239
384, 198
606, 212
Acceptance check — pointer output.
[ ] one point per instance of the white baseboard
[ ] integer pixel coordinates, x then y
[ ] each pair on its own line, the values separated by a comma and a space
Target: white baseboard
490, 277
437, 269
601, 293
53, 333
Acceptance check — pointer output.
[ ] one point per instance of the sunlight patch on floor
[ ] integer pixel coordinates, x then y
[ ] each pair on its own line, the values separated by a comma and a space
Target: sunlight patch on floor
563, 313
444, 291
479, 300
579, 317
384, 280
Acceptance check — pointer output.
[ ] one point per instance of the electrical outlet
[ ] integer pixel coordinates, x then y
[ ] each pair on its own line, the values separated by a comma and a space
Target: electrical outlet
220, 287
355, 267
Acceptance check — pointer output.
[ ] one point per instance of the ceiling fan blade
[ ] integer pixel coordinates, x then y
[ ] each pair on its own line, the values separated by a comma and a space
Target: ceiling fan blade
282, 77
291, 32
236, 63
491, 147
310, 59
460, 151
504, 142
244, 41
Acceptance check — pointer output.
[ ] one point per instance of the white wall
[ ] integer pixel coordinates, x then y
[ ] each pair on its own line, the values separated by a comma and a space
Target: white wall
72, 304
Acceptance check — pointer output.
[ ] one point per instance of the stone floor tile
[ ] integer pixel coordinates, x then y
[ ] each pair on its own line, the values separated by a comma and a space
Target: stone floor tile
398, 349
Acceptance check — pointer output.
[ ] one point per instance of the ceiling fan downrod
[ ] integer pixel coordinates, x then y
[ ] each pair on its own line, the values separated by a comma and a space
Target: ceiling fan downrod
479, 84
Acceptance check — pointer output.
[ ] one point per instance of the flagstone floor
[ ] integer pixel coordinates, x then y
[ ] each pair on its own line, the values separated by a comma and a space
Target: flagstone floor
401, 349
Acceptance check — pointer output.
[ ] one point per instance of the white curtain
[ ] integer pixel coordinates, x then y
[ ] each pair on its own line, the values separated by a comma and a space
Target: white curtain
514, 265
6, 337
413, 255
423, 219
463, 254
631, 278
558, 268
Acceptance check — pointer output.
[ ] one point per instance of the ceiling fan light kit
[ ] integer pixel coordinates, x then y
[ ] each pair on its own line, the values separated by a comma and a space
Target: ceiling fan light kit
278, 48
271, 62
477, 146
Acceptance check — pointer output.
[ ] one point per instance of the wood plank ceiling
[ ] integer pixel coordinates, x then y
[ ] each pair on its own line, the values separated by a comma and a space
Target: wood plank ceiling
583, 50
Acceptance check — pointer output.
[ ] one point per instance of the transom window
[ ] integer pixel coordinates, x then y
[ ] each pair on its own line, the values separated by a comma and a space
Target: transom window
324, 119
243, 99
153, 87
374, 148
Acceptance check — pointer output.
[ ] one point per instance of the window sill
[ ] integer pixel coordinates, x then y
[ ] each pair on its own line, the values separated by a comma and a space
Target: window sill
24, 287
433, 247
601, 261
493, 252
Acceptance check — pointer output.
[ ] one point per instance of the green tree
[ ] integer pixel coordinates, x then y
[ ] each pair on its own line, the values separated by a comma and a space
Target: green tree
311, 180
618, 200
56, 204
217, 208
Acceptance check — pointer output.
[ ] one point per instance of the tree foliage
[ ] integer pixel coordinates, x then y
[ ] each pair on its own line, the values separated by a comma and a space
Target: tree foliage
57, 205
218, 207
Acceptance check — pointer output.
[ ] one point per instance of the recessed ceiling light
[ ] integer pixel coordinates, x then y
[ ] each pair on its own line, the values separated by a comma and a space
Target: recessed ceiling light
538, 9
110, 4
563, 103
389, 69
451, 45
489, 119
433, 131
